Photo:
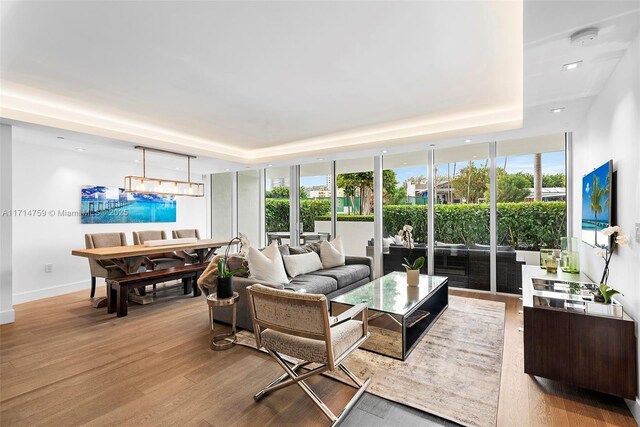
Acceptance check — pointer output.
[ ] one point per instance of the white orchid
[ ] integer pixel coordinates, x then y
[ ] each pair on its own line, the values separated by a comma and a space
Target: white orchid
622, 240
408, 228
401, 233
617, 239
244, 244
611, 230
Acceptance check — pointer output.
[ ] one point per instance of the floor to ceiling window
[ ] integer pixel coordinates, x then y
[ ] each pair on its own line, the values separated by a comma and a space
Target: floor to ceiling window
531, 204
530, 182
222, 209
404, 199
461, 216
277, 188
249, 205
315, 202
354, 204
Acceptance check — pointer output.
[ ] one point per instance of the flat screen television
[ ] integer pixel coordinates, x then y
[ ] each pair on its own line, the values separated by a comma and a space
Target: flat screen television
597, 204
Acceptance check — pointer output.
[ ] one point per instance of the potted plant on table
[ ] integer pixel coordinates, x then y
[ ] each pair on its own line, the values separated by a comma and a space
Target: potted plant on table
413, 268
616, 238
225, 275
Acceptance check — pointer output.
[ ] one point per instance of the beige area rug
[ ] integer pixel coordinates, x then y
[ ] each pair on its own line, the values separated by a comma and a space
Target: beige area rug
454, 372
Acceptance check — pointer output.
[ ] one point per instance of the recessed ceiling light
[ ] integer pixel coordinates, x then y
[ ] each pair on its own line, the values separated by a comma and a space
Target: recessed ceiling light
572, 66
384, 151
226, 170
80, 150
60, 137
137, 161
177, 169
432, 145
320, 158
557, 110
468, 140
269, 165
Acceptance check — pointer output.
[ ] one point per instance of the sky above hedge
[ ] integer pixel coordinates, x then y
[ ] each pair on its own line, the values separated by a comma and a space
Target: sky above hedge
552, 163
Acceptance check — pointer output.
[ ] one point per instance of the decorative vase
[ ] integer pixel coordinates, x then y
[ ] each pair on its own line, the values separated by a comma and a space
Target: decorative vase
551, 263
570, 258
544, 254
413, 277
225, 287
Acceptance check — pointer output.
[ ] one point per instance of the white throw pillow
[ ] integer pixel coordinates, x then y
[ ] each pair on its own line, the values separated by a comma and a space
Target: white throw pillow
331, 253
267, 265
398, 240
302, 264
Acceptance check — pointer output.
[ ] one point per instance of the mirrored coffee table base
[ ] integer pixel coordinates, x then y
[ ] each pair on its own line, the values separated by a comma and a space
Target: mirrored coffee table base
399, 315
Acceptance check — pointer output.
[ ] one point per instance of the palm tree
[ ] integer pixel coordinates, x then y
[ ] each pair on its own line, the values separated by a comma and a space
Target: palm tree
537, 177
596, 194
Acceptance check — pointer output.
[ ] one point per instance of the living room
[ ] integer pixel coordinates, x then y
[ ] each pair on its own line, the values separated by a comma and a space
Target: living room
311, 213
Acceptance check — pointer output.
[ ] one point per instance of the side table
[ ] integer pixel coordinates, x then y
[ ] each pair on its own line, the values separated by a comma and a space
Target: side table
225, 340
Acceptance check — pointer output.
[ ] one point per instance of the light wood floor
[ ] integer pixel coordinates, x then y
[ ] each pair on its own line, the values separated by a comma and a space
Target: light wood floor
65, 363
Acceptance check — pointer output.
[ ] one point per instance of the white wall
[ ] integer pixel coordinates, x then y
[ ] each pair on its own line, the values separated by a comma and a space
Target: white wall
49, 178
7, 315
611, 130
355, 235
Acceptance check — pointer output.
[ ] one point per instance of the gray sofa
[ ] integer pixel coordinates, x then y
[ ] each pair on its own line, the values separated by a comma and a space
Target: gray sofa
332, 282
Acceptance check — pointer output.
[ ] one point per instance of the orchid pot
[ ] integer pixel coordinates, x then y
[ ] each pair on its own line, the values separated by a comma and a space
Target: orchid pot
413, 277
413, 270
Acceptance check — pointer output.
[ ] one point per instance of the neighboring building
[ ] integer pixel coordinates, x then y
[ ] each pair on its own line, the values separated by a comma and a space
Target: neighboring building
549, 194
277, 182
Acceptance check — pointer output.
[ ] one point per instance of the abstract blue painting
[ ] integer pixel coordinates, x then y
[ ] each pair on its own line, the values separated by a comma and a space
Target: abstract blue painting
108, 205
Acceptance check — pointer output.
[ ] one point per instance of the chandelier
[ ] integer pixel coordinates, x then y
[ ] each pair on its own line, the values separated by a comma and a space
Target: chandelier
170, 187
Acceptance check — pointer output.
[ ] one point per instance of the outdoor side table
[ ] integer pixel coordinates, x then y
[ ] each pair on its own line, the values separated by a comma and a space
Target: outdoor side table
225, 340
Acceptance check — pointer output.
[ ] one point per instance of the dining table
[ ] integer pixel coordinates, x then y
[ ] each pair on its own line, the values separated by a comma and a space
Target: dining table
131, 257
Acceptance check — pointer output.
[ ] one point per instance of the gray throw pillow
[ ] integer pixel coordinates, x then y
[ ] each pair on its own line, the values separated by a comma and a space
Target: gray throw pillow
299, 250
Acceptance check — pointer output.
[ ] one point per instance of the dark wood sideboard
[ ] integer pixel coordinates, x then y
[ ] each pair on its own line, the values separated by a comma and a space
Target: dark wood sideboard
590, 351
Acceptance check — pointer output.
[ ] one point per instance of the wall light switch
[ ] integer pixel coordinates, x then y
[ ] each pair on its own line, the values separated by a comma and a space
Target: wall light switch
637, 232
48, 268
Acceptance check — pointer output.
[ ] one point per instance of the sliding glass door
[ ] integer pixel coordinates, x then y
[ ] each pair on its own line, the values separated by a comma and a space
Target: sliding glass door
461, 216
354, 205
530, 207
315, 202
276, 219
531, 204
249, 205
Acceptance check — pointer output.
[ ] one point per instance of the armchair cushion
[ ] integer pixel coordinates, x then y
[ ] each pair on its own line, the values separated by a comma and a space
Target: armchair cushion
343, 336
313, 284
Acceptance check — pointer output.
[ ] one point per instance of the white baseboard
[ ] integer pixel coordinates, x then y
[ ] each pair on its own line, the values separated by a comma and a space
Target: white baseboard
52, 291
634, 407
7, 316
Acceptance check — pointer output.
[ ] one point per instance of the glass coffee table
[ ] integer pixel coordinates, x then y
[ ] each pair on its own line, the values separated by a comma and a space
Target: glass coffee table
399, 314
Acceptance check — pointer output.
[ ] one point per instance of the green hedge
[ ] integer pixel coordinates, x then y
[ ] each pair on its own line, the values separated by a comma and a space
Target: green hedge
277, 213
525, 225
